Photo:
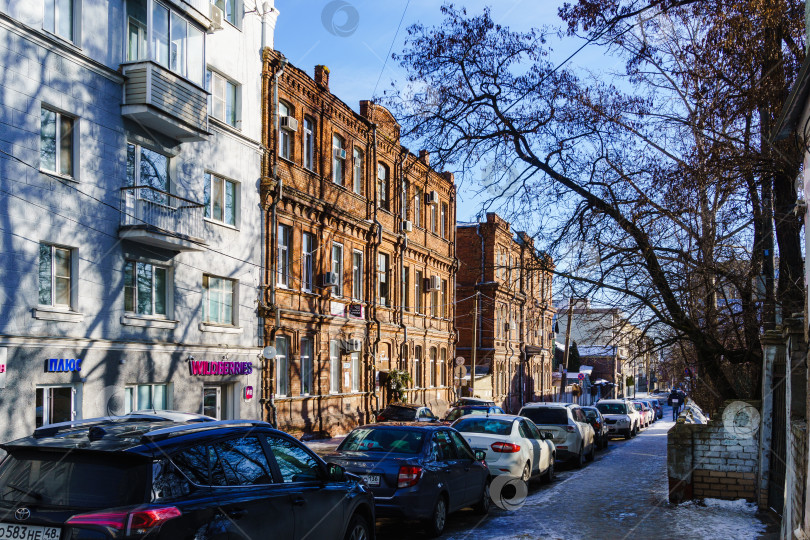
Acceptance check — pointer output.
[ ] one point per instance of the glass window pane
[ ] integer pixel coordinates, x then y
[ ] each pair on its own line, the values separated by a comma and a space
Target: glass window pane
64, 18
334, 366
355, 371
130, 164
60, 406
227, 309
160, 34
230, 203
159, 397
45, 275
160, 291
47, 140
281, 366
230, 103
129, 399
217, 206
61, 295
154, 172
195, 55
219, 96
144, 397
129, 286
49, 22
243, 462
177, 53
295, 463
61, 262
144, 277
306, 366
207, 195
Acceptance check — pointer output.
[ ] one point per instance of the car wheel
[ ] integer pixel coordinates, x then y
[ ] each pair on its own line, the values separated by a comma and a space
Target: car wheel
482, 507
435, 525
628, 434
592, 454
605, 443
549, 474
581, 458
527, 472
359, 529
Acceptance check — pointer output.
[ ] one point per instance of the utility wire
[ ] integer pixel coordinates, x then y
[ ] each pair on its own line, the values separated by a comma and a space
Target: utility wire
385, 62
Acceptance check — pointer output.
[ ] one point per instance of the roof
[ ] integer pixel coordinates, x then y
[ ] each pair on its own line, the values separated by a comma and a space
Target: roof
508, 417
795, 104
596, 351
404, 425
545, 404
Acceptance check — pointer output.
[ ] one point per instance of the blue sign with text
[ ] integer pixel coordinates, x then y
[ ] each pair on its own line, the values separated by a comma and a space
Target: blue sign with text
61, 365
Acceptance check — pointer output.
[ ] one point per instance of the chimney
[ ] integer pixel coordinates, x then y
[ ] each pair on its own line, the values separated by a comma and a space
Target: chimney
424, 157
322, 77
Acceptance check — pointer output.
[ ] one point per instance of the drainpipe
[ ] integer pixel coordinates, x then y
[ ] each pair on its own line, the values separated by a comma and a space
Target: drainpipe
404, 247
375, 255
478, 321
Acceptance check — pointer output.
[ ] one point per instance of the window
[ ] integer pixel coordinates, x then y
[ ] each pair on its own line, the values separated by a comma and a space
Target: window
338, 159
59, 18
357, 179
238, 462
406, 187
382, 276
54, 404
306, 366
224, 93
230, 9
356, 372
282, 373
432, 368
56, 142
220, 199
171, 41
141, 397
382, 186
406, 288
443, 368
55, 276
417, 371
443, 223
145, 288
357, 275
294, 463
417, 208
285, 136
149, 171
334, 366
434, 303
212, 401
283, 258
445, 307
308, 262
417, 291
433, 219
218, 300
337, 268
309, 143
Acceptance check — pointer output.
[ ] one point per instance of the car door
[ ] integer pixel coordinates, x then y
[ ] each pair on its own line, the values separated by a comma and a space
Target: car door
545, 451
585, 427
531, 442
475, 472
452, 468
318, 505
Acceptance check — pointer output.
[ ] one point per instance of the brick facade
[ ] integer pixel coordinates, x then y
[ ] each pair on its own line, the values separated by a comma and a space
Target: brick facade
513, 283
341, 188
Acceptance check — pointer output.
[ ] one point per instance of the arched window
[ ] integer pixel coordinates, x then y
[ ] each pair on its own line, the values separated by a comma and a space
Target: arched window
432, 367
383, 180
358, 176
417, 371
338, 159
285, 134
309, 143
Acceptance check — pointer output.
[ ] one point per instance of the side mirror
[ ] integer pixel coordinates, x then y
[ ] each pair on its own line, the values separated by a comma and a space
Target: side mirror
336, 473
480, 455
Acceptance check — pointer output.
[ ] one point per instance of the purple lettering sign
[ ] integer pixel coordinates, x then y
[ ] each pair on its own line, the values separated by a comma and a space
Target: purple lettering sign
200, 367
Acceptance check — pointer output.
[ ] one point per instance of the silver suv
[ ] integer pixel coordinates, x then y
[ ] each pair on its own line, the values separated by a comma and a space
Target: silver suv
573, 436
621, 417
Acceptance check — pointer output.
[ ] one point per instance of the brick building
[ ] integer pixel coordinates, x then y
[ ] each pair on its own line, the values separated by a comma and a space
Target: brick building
360, 257
514, 324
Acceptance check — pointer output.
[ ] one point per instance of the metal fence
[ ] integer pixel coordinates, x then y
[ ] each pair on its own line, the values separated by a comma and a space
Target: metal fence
146, 206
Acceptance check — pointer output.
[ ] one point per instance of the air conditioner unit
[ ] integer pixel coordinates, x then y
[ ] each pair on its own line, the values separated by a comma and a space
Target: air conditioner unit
340, 153
433, 283
329, 279
353, 345
288, 123
432, 197
407, 226
216, 15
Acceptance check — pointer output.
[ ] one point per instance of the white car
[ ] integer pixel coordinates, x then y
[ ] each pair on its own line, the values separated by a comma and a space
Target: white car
513, 445
647, 414
621, 417
568, 426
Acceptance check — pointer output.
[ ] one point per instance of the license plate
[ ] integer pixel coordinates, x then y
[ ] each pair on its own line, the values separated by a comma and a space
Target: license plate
32, 532
372, 479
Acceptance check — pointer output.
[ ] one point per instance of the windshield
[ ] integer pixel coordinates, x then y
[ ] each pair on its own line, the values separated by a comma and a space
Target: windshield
590, 414
393, 412
490, 426
612, 408
556, 416
73, 480
383, 440
455, 414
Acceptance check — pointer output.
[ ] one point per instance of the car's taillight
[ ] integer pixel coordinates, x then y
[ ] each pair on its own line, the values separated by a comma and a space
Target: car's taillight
408, 476
570, 429
505, 447
598, 425
380, 418
139, 521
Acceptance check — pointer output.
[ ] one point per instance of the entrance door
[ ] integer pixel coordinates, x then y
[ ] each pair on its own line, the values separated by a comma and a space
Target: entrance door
212, 401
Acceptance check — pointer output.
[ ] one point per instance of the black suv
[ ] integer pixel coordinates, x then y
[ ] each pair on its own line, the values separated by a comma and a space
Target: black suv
175, 476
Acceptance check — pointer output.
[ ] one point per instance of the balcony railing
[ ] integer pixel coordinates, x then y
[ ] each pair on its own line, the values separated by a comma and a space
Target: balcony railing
159, 218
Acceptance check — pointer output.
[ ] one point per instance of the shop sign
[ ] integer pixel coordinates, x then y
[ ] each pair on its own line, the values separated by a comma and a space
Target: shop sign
63, 365
3, 363
248, 393
337, 309
200, 367
356, 311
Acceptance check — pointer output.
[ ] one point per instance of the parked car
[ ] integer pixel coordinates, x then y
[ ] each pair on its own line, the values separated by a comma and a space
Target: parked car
416, 471
599, 426
174, 476
658, 411
621, 417
513, 445
646, 413
406, 412
457, 412
573, 437
461, 402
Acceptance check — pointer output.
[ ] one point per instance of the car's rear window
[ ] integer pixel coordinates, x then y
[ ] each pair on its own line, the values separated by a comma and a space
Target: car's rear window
590, 413
73, 480
491, 426
612, 408
546, 415
380, 439
455, 414
392, 412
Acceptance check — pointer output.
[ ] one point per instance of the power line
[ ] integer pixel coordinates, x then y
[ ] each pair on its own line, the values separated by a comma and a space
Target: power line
385, 62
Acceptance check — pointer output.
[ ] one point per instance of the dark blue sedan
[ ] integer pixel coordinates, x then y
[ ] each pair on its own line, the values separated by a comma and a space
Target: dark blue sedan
416, 471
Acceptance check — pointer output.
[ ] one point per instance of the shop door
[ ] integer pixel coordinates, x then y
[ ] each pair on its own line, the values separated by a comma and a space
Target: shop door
212, 401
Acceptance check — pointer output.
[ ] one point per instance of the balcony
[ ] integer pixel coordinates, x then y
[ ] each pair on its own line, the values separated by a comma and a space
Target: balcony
158, 218
158, 99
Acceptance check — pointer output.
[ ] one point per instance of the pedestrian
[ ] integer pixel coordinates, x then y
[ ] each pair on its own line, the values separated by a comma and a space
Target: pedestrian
675, 400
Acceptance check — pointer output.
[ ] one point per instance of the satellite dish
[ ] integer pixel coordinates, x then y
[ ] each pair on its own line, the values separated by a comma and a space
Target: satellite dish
269, 352
460, 361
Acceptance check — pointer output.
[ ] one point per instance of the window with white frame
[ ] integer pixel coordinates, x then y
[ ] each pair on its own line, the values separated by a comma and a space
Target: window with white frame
443, 368
445, 308
383, 279
417, 207
308, 262
406, 188
433, 219
224, 98
306, 366
356, 371
55, 276
282, 372
141, 397
383, 179
54, 404
221, 198
283, 259
443, 221
231, 10
434, 303
334, 366
172, 41
417, 291
285, 136
417, 366
218, 300
357, 275
406, 288
338, 159
432, 367
56, 142
58, 18
145, 288
309, 143
149, 171
358, 176
337, 268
